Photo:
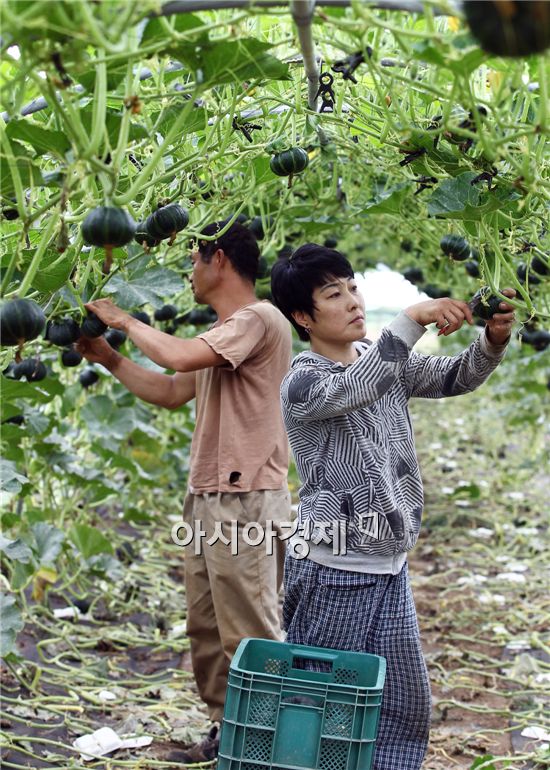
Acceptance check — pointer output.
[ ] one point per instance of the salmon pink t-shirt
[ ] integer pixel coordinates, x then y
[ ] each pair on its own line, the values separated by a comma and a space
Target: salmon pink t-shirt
239, 443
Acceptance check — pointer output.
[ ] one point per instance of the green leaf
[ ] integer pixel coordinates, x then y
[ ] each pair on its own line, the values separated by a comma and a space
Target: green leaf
428, 52
11, 622
388, 201
16, 550
481, 763
29, 173
196, 120
43, 140
453, 195
14, 389
89, 540
104, 418
22, 574
47, 542
152, 287
227, 61
154, 31
10, 480
53, 273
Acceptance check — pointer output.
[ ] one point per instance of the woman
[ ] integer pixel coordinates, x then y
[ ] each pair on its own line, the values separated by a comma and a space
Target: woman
345, 406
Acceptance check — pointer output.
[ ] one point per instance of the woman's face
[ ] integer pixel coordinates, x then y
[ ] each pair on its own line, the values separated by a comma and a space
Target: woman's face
339, 312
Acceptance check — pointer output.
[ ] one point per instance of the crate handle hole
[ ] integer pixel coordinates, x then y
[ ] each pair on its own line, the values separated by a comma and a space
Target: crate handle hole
316, 664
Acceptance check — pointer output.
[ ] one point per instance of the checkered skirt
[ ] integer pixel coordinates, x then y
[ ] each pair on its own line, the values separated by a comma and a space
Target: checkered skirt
363, 612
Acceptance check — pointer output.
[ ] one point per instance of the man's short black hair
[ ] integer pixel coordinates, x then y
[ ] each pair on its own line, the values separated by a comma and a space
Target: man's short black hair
295, 278
238, 243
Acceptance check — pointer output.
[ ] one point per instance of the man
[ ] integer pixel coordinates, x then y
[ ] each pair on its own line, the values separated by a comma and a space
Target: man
239, 452
345, 406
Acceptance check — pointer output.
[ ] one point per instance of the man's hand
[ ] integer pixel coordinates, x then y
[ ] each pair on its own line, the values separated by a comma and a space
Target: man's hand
98, 351
499, 327
448, 314
110, 314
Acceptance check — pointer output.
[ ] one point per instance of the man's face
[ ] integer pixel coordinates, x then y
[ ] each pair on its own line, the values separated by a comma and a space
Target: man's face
204, 277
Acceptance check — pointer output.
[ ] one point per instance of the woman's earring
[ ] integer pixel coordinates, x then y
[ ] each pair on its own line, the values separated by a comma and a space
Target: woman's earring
308, 329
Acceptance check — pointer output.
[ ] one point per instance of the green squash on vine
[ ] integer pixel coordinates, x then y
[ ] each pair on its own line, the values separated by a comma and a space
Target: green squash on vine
21, 320
144, 238
289, 163
108, 227
484, 304
509, 27
167, 221
456, 247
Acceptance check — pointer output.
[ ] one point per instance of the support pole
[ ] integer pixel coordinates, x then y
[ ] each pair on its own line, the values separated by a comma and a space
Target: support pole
302, 13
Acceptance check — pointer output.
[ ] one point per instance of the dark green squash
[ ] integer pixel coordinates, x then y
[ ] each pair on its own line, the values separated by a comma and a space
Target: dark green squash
166, 221
472, 268
115, 338
484, 304
32, 369
509, 27
63, 332
142, 316
413, 275
92, 326
70, 357
144, 238
88, 377
20, 320
108, 227
165, 313
456, 247
289, 162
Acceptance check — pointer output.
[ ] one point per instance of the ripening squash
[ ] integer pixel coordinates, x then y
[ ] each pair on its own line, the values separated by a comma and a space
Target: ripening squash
32, 369
115, 338
165, 313
456, 247
289, 162
20, 320
88, 377
108, 227
166, 221
509, 27
63, 332
92, 326
144, 238
484, 304
70, 357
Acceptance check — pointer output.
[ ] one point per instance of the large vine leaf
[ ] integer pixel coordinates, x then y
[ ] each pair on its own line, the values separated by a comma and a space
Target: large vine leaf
151, 287
10, 479
43, 140
453, 195
89, 540
11, 622
226, 61
47, 542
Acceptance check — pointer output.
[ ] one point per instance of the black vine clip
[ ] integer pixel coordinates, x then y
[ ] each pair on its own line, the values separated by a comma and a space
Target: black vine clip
245, 128
413, 155
424, 183
485, 176
348, 65
325, 92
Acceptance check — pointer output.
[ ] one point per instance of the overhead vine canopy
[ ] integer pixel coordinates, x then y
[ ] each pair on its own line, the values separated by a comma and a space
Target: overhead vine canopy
416, 133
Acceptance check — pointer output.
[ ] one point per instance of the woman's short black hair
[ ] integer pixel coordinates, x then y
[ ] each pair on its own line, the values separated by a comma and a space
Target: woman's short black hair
239, 244
295, 278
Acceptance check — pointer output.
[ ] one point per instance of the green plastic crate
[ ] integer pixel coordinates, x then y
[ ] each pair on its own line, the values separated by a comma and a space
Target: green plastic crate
280, 714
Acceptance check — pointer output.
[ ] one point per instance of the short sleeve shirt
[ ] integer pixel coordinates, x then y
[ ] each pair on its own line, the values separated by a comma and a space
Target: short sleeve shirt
240, 443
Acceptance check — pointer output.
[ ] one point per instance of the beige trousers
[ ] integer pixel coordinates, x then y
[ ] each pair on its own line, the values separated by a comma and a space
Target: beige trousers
232, 586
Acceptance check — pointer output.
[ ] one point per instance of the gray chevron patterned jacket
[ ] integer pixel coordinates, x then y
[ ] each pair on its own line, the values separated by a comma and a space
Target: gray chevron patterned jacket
351, 436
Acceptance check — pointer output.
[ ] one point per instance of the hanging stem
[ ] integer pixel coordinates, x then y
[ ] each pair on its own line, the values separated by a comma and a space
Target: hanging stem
99, 108
37, 258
